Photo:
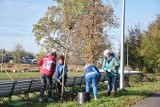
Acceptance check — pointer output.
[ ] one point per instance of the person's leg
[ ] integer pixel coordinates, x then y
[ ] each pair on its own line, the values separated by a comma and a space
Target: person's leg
94, 84
87, 78
59, 87
43, 85
49, 81
109, 85
114, 82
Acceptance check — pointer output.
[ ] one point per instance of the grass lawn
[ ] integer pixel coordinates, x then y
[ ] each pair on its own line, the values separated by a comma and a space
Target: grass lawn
19, 75
124, 98
25, 75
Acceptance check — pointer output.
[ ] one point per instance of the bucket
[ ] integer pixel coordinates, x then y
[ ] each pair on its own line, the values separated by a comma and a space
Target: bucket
83, 97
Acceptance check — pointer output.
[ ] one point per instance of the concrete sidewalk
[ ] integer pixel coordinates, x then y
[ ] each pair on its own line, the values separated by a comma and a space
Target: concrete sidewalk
152, 101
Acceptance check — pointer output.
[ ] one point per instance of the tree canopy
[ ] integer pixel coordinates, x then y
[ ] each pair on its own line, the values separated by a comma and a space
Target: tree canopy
150, 45
144, 51
85, 21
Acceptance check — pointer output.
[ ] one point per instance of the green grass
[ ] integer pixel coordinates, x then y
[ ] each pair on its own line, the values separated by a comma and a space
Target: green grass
25, 75
19, 75
124, 98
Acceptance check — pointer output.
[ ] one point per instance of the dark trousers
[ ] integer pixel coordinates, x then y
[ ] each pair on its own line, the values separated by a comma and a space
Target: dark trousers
45, 79
59, 84
112, 82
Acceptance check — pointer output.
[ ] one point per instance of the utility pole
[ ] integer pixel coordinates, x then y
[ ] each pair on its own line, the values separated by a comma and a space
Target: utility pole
127, 56
2, 61
122, 47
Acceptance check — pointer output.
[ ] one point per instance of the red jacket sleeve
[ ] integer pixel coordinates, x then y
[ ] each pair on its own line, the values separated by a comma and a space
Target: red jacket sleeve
40, 62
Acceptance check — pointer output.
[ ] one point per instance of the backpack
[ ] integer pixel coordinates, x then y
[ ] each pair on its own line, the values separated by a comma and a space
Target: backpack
47, 64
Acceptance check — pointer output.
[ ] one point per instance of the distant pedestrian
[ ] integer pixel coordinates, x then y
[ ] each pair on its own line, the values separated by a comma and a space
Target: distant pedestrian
92, 73
111, 65
59, 72
47, 69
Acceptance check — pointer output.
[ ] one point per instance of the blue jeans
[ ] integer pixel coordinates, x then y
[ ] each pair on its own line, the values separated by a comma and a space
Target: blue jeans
112, 82
46, 80
94, 78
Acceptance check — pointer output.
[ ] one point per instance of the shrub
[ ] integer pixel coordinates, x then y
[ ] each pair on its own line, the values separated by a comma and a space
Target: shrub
145, 70
134, 79
126, 81
149, 78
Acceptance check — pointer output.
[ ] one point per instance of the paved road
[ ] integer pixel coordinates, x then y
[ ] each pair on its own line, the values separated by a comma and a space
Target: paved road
152, 101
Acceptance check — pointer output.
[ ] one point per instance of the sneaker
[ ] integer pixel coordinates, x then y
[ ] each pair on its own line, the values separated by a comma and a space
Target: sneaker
50, 100
41, 100
95, 98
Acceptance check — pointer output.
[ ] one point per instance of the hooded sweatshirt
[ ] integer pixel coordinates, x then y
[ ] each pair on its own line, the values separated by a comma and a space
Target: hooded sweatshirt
47, 65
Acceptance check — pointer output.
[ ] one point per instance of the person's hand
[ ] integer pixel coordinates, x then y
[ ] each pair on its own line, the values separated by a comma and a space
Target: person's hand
109, 70
59, 80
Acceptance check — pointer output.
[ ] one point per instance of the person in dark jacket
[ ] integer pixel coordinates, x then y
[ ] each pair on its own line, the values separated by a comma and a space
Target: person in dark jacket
92, 73
47, 69
59, 71
110, 66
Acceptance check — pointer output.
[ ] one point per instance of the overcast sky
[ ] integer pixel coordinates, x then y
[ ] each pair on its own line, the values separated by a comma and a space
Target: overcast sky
18, 16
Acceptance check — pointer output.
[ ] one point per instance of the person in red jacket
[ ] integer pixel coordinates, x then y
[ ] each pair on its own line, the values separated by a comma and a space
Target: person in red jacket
47, 69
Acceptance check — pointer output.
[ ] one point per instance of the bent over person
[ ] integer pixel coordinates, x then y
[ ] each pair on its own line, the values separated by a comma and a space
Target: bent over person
47, 69
111, 65
92, 74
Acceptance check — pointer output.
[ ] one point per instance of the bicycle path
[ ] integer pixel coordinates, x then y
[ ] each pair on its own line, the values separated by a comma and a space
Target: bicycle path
151, 101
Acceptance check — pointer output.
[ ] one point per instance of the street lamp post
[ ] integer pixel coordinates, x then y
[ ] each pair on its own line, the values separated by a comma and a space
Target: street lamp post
122, 47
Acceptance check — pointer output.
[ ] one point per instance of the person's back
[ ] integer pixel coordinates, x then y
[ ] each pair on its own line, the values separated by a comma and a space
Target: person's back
92, 73
47, 69
47, 65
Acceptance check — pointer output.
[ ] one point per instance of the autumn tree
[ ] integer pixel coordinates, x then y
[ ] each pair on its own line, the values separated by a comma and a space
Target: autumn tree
133, 41
40, 55
52, 29
2, 54
18, 53
85, 22
91, 31
150, 46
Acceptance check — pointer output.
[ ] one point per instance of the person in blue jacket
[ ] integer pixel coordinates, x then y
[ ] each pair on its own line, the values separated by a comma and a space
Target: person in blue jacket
92, 73
111, 65
59, 72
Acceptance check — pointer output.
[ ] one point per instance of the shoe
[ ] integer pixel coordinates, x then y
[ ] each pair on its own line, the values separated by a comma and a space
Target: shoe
41, 100
108, 94
50, 100
95, 98
113, 94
